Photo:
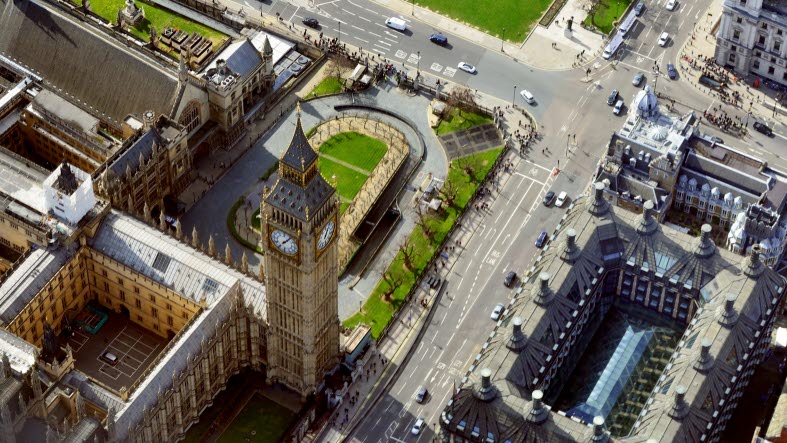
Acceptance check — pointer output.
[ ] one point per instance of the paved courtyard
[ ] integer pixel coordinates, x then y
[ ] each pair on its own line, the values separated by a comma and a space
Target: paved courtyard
472, 140
134, 347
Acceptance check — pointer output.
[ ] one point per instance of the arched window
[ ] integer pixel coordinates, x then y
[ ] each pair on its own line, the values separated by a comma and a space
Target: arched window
190, 116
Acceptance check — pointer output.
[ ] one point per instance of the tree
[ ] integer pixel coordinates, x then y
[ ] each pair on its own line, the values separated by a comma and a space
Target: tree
467, 166
409, 254
462, 98
422, 221
393, 281
448, 192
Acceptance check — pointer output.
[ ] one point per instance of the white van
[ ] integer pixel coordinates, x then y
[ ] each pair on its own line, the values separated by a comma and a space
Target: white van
527, 96
396, 23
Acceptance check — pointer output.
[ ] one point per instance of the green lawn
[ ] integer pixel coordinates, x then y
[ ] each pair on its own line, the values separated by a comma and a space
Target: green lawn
158, 17
606, 13
356, 149
328, 85
266, 418
377, 312
348, 181
459, 120
508, 19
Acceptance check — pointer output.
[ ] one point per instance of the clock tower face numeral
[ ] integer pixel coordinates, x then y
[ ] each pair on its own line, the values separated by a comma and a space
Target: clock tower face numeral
284, 242
326, 235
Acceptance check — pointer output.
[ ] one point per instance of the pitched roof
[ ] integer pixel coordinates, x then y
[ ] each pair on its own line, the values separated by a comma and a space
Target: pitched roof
300, 154
83, 62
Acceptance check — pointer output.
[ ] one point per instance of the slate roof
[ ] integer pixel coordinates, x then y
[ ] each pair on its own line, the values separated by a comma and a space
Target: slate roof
130, 157
299, 201
593, 239
300, 154
756, 185
241, 57
83, 62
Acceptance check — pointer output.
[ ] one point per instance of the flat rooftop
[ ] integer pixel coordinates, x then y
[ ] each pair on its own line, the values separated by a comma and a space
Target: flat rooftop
22, 180
134, 346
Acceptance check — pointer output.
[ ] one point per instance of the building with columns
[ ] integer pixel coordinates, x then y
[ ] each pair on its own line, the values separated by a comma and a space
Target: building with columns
299, 221
751, 38
196, 315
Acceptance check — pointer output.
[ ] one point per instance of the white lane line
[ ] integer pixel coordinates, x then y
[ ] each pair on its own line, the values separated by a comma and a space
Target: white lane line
385, 43
376, 35
373, 12
348, 12
381, 48
364, 18
356, 5
326, 3
390, 40
513, 212
360, 39
360, 29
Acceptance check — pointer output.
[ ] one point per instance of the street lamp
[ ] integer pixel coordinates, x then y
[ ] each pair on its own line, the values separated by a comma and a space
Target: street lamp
339, 35
418, 64
514, 97
413, 3
502, 39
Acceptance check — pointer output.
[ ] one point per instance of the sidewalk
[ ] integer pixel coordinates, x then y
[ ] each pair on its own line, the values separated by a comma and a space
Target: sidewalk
702, 42
384, 364
536, 51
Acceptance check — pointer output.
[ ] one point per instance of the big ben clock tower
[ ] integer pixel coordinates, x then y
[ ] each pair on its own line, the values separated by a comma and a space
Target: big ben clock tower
300, 225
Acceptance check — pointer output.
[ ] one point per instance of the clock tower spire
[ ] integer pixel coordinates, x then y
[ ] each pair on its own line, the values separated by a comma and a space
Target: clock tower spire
299, 220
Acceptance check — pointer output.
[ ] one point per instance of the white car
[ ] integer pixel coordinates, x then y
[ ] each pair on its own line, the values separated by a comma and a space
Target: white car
467, 67
417, 427
671, 5
527, 96
561, 199
497, 312
663, 39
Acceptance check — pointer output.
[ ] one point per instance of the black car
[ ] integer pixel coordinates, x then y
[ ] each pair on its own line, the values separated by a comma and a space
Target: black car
440, 39
613, 97
673, 74
510, 279
549, 198
311, 22
542, 239
763, 129
639, 8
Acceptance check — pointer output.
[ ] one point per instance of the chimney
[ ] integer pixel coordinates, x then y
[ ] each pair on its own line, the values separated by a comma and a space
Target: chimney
598, 206
680, 408
539, 413
517, 341
727, 315
542, 294
705, 246
570, 251
487, 391
599, 432
647, 225
148, 120
704, 361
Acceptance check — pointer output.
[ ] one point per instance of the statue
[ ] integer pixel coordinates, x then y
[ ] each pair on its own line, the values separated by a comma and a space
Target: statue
50, 342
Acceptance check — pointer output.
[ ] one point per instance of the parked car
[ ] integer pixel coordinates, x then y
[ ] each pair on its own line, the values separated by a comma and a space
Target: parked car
637, 80
417, 427
671, 5
498, 311
639, 8
613, 97
422, 394
663, 39
561, 199
311, 22
715, 139
439, 39
618, 107
527, 96
510, 279
549, 198
763, 129
396, 23
467, 67
542, 239
671, 72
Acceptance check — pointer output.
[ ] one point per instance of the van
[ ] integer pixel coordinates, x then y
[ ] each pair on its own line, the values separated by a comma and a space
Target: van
396, 23
527, 96
624, 27
618, 107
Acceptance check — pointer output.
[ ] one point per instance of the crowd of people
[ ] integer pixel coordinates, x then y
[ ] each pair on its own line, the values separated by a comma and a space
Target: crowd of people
720, 118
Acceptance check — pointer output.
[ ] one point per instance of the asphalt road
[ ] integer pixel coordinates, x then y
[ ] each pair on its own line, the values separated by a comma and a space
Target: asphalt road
567, 105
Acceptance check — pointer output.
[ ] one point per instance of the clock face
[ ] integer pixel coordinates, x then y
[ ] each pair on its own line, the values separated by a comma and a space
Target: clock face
284, 242
326, 235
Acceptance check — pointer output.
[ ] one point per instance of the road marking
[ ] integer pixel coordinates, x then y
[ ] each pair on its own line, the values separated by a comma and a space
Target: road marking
400, 54
364, 18
449, 72
376, 35
436, 67
413, 58
360, 29
509, 218
348, 12
356, 5
326, 3
392, 40
385, 43
373, 12
530, 178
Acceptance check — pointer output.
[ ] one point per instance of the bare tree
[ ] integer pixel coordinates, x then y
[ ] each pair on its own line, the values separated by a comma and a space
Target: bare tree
393, 282
467, 166
448, 192
588, 5
422, 221
409, 254
462, 98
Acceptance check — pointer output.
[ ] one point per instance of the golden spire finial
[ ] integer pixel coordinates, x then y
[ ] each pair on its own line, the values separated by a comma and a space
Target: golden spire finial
298, 111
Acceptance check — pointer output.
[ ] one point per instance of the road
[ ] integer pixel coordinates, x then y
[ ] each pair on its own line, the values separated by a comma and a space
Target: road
567, 105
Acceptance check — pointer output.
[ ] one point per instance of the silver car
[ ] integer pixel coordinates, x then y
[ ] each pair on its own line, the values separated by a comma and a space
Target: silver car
498, 311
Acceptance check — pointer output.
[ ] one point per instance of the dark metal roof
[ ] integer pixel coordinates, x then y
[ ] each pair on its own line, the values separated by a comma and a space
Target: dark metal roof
83, 62
298, 201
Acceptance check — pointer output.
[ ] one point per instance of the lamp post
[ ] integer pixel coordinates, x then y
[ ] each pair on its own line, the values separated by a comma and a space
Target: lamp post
502, 39
339, 35
418, 64
513, 99
568, 137
413, 3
